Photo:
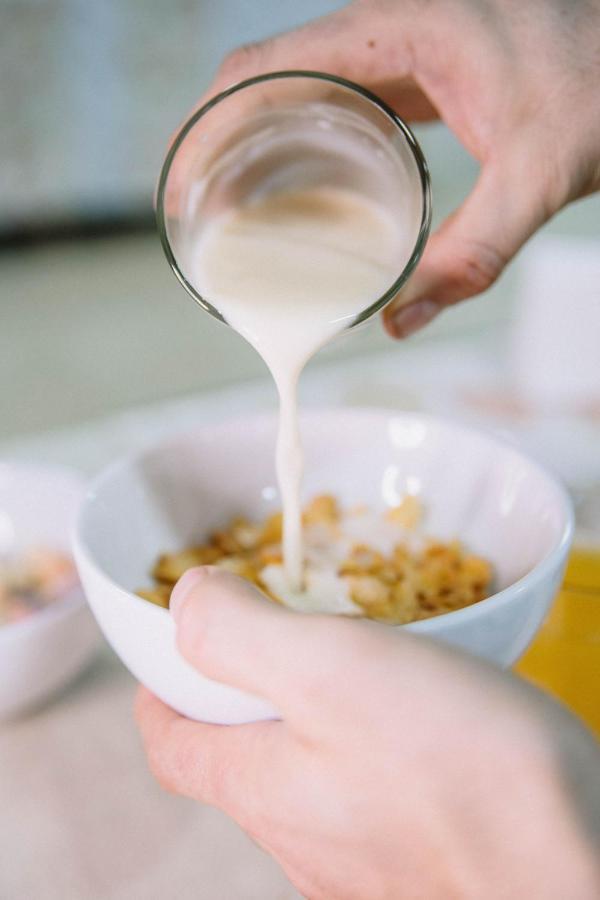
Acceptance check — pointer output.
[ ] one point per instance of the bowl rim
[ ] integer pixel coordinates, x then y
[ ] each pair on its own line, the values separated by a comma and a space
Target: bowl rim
72, 600
554, 557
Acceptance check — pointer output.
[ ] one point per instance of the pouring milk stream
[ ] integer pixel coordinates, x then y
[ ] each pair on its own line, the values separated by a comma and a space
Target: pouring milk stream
289, 272
289, 217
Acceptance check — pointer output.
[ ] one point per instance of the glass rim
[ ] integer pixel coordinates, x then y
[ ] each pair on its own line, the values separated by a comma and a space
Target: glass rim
400, 125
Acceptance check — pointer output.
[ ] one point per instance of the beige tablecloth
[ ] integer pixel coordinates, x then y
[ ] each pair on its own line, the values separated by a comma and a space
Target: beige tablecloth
82, 819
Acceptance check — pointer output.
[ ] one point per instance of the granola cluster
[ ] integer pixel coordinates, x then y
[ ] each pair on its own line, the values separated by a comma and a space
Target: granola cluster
32, 581
416, 580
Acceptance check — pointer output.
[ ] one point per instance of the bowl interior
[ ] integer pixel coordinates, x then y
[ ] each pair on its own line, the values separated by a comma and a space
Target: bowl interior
486, 493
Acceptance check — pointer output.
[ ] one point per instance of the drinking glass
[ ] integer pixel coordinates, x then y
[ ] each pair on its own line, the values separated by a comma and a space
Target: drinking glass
289, 131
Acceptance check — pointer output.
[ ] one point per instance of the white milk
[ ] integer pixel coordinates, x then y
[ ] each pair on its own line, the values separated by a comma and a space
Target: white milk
325, 549
288, 272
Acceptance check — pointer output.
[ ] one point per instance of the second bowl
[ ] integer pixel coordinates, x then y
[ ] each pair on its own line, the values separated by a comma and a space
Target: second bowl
501, 504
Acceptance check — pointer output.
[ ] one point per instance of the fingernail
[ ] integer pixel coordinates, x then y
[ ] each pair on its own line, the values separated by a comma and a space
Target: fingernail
181, 591
408, 319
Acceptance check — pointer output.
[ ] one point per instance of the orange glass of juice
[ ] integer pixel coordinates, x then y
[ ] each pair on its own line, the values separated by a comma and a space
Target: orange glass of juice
564, 659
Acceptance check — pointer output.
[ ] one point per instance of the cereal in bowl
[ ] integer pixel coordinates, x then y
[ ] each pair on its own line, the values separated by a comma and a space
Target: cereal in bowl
357, 562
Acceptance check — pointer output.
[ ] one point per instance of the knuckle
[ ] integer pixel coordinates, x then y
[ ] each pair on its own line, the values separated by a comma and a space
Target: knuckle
216, 782
243, 780
476, 268
173, 761
157, 763
561, 178
241, 62
334, 646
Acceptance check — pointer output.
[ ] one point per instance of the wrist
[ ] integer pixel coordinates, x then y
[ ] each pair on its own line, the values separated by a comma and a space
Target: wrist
540, 830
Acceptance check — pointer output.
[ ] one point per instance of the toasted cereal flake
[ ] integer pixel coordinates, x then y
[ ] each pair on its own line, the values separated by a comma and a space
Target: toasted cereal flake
238, 565
225, 541
369, 592
160, 595
323, 509
395, 582
245, 534
270, 554
406, 607
363, 560
477, 570
171, 566
272, 530
407, 514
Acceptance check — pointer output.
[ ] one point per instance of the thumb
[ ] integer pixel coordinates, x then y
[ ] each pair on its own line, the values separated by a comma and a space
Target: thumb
231, 632
468, 252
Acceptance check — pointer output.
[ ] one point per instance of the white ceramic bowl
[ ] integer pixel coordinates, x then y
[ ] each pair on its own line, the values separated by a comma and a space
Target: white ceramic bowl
42, 653
487, 493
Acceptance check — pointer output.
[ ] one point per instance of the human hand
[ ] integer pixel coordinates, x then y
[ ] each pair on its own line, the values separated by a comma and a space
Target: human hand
518, 84
399, 769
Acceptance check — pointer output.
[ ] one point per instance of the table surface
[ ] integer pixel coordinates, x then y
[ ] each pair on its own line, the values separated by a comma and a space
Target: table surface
81, 817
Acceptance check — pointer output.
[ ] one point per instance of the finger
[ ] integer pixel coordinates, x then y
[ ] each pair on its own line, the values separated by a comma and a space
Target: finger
469, 251
354, 43
357, 43
229, 631
222, 765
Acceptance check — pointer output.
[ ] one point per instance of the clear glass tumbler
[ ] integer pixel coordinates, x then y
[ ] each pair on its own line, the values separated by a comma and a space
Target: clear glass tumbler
290, 131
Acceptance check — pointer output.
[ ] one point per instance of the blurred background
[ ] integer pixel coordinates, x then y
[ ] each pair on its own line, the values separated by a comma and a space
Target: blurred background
101, 350
92, 319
